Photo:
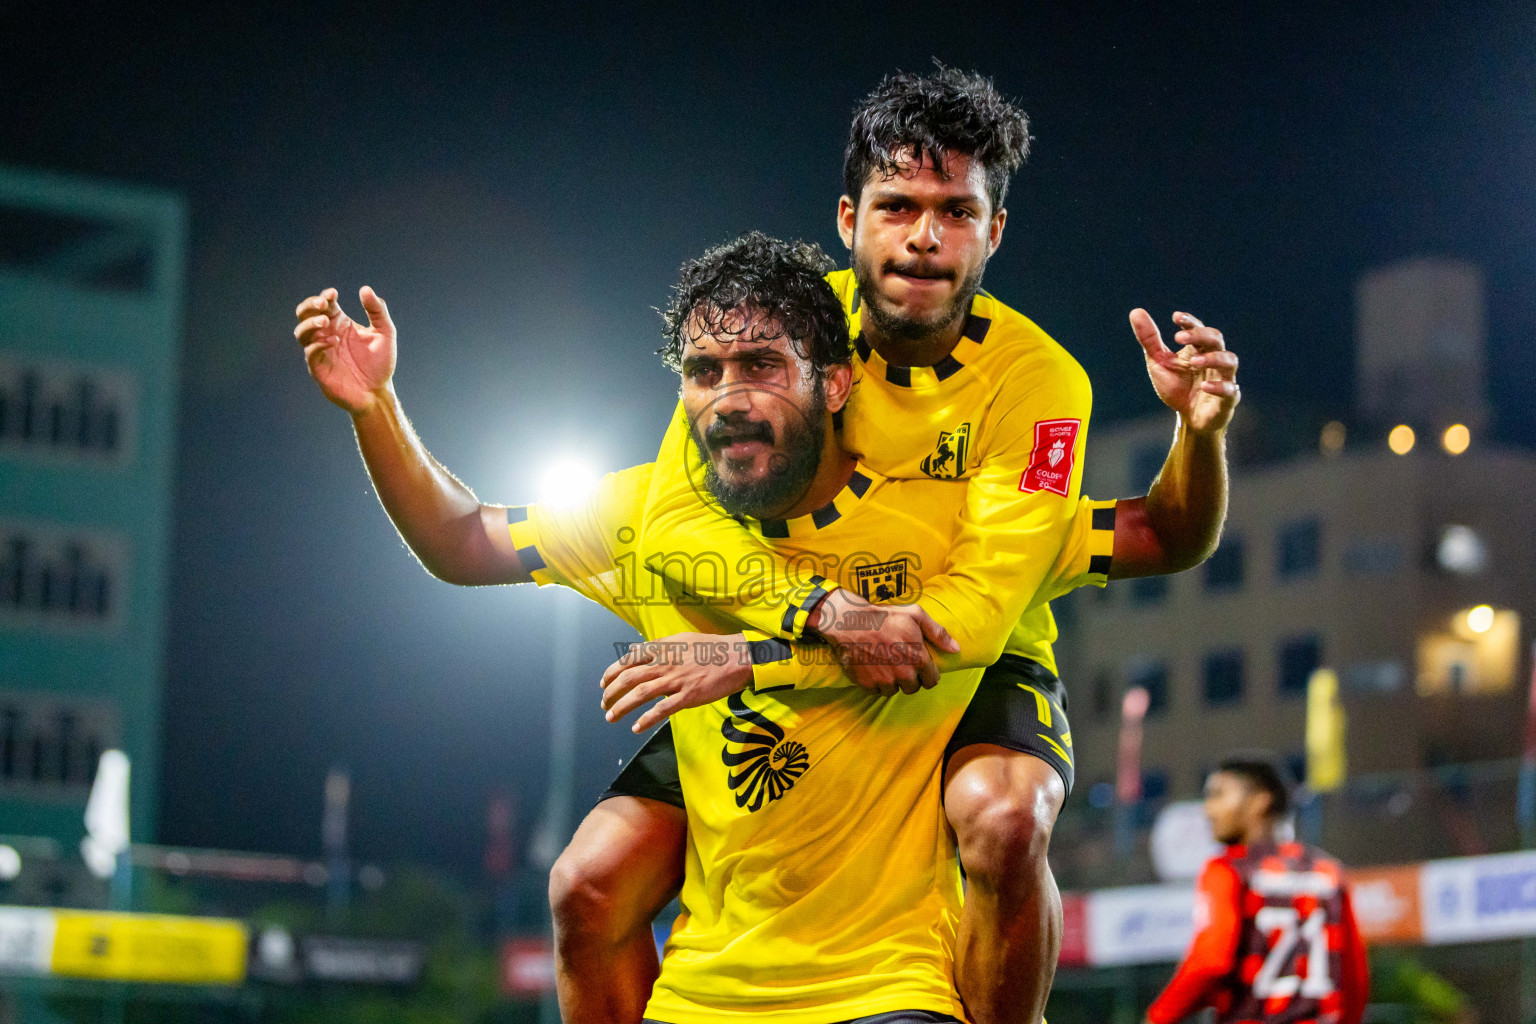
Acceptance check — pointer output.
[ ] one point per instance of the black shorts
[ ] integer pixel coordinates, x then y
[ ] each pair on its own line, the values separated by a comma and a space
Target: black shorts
651, 773
1019, 704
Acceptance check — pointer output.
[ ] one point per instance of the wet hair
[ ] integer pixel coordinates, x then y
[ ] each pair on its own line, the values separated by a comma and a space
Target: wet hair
783, 282
1258, 769
945, 112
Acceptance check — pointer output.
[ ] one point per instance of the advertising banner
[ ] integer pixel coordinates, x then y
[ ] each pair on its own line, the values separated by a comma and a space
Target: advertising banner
26, 940
149, 947
1472, 899
527, 967
1074, 930
1140, 924
1386, 901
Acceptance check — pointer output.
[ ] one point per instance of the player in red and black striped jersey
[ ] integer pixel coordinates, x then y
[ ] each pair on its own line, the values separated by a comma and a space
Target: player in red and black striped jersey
1275, 935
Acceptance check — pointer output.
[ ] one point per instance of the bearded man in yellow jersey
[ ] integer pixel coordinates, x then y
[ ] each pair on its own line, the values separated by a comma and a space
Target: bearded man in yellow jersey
821, 881
948, 384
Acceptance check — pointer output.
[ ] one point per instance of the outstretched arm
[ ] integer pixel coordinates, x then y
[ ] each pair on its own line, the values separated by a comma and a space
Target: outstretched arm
455, 537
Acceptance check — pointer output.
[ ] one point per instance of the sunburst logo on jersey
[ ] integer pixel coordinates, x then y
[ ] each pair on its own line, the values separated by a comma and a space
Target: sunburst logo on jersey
769, 764
947, 460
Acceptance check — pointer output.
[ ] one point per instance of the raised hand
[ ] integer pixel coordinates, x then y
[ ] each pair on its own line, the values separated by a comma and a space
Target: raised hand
1199, 381
351, 363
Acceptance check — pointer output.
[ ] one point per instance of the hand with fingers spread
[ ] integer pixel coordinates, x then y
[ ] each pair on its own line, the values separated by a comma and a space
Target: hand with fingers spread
687, 670
1199, 381
352, 364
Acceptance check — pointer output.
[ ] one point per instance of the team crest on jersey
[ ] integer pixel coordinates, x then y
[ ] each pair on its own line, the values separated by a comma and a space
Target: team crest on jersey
769, 764
947, 460
883, 581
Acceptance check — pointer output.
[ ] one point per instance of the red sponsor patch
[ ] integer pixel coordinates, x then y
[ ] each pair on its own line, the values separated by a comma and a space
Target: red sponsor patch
1050, 464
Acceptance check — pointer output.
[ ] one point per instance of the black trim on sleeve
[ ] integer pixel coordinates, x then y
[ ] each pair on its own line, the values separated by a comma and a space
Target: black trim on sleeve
517, 514
1104, 518
1100, 564
765, 652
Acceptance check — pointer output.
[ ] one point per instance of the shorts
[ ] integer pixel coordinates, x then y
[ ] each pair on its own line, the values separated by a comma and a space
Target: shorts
1019, 704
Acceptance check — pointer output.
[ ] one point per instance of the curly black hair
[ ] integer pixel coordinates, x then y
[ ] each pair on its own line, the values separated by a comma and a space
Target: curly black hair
947, 111
782, 281
1259, 770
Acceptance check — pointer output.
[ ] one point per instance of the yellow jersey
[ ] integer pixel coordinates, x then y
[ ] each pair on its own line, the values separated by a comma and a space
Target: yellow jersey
1006, 411
821, 880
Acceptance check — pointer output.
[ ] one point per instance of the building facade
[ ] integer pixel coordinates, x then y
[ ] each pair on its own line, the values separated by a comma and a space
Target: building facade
1412, 575
91, 305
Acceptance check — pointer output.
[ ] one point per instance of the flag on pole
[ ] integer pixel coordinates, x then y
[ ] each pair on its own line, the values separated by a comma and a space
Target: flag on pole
1326, 759
106, 815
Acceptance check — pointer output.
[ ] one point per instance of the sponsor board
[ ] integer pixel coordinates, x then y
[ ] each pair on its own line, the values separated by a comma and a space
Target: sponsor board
26, 940
527, 967
1386, 902
1140, 924
149, 947
1472, 899
1074, 930
362, 961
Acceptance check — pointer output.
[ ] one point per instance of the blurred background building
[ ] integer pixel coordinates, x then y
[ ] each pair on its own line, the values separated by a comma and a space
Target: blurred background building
1397, 548
91, 307
1395, 545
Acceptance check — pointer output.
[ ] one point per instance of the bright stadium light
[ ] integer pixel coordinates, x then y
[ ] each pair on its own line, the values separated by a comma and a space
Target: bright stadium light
1456, 439
10, 863
567, 483
1480, 619
1401, 439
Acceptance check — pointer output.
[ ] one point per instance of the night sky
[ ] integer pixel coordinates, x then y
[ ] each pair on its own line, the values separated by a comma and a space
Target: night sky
521, 186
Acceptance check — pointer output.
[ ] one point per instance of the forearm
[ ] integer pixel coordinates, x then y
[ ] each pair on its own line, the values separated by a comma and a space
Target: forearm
1187, 504
439, 518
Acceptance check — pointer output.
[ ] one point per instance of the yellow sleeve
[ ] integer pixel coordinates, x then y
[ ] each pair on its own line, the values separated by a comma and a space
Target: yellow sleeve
587, 547
1019, 507
1086, 556
696, 545
1084, 561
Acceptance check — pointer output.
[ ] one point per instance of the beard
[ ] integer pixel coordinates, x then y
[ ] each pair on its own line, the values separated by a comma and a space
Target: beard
897, 326
791, 469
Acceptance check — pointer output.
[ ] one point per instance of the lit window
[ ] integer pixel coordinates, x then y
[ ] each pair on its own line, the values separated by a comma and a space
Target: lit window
1456, 439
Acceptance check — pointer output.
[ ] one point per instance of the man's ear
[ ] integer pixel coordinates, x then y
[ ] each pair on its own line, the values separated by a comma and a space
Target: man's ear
847, 215
995, 230
837, 382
